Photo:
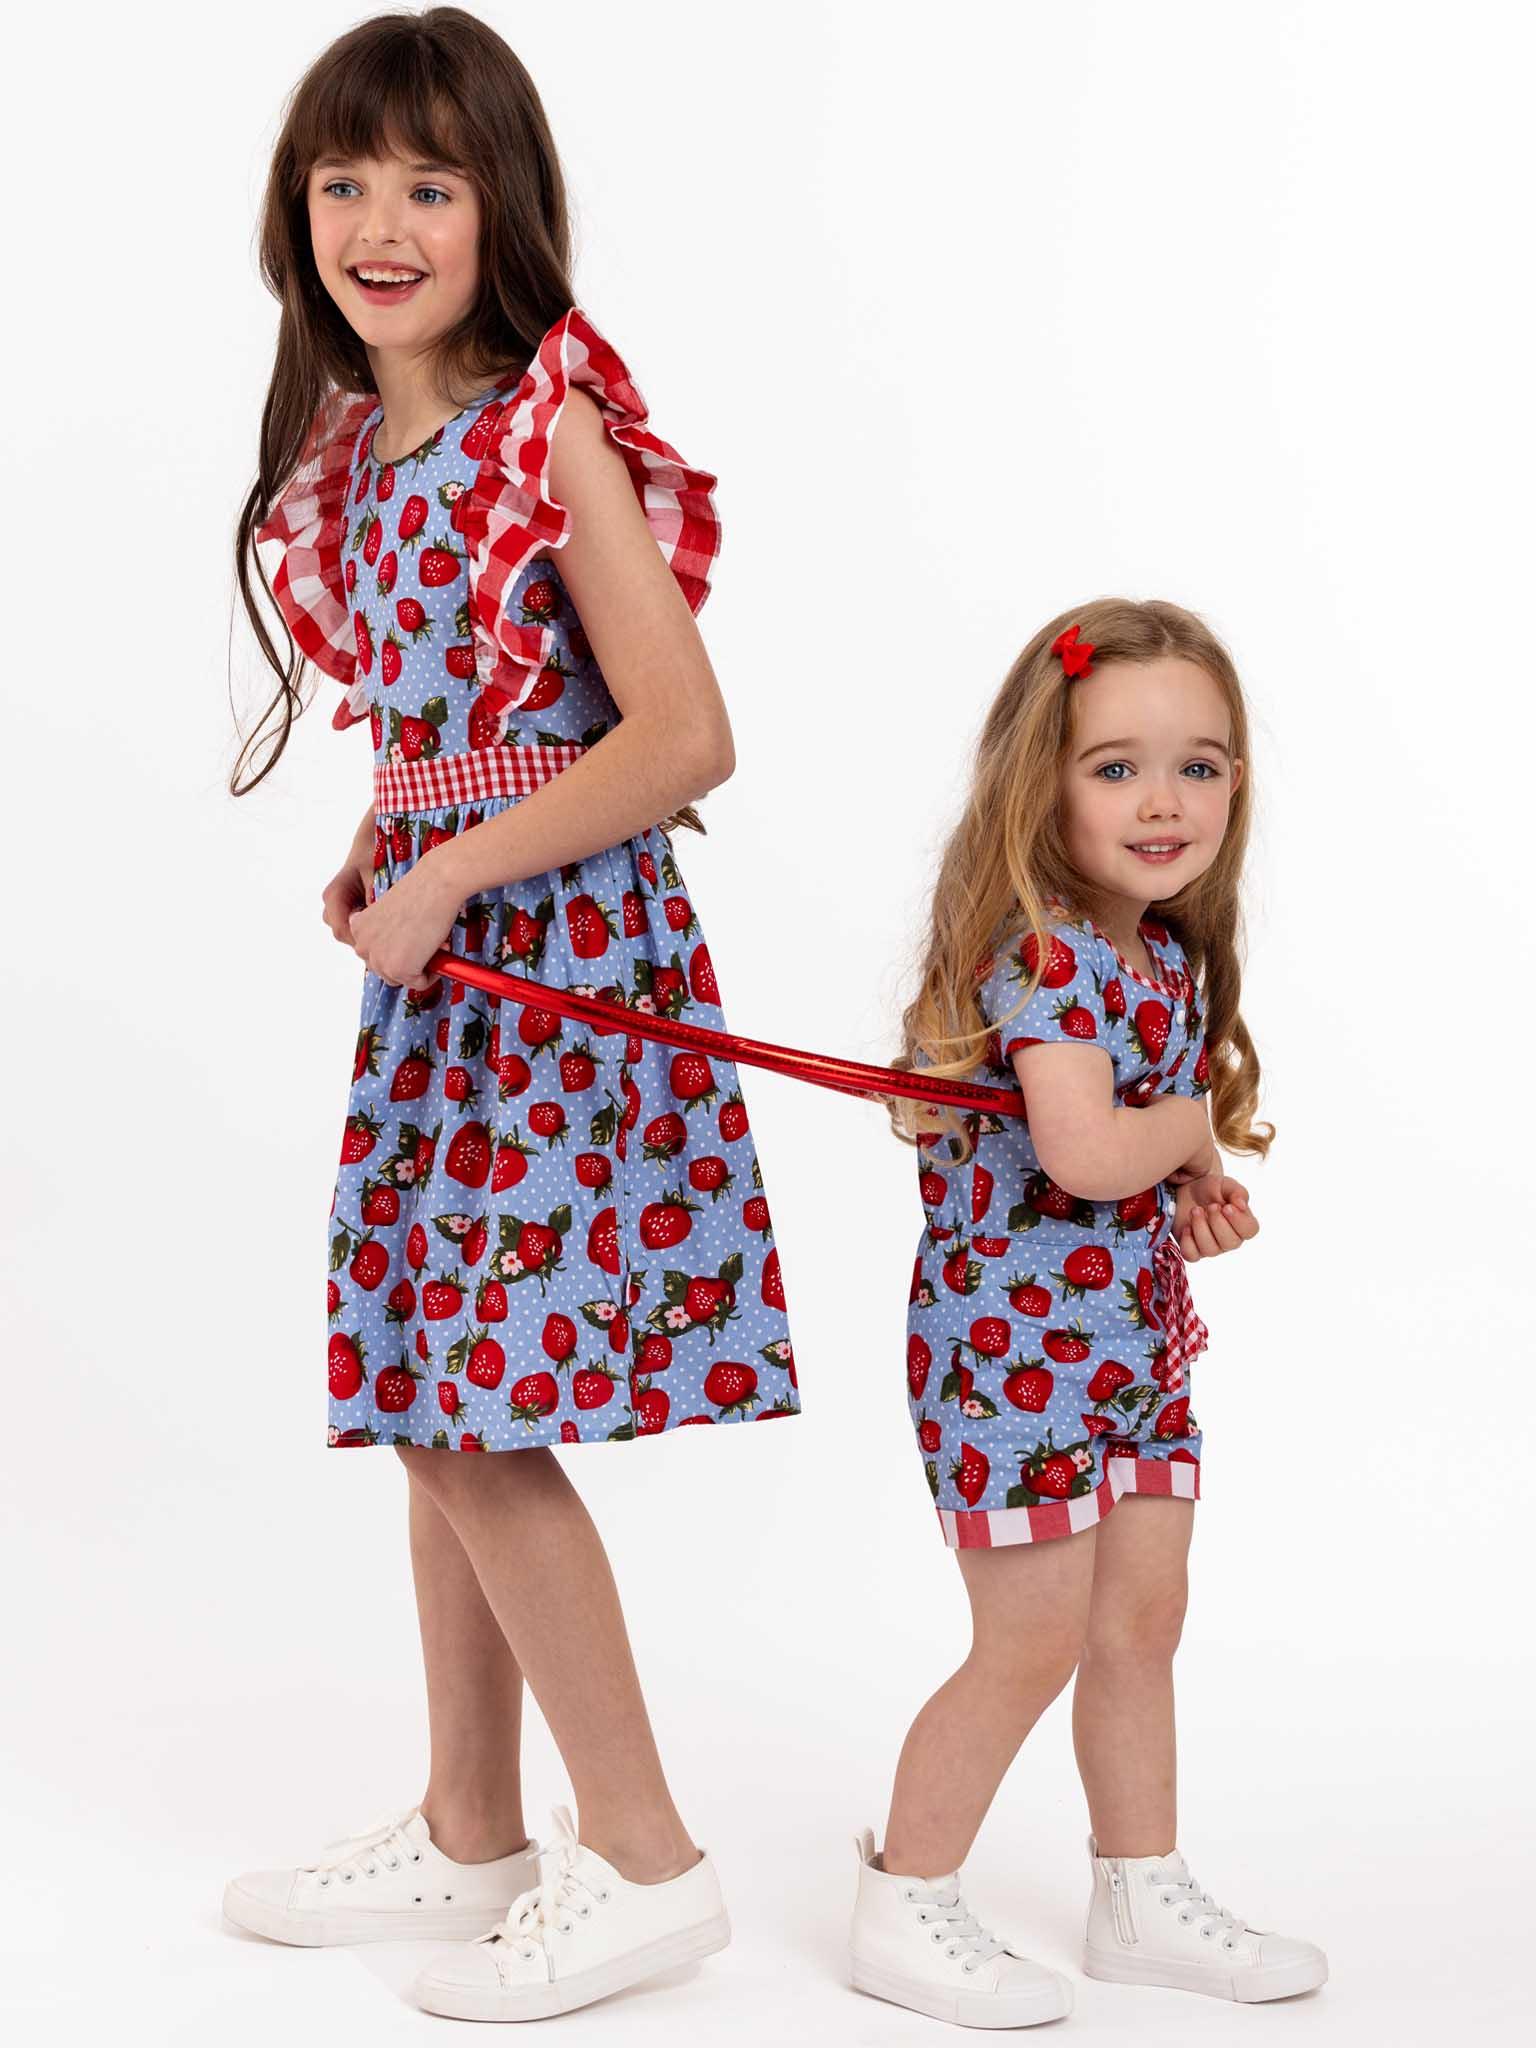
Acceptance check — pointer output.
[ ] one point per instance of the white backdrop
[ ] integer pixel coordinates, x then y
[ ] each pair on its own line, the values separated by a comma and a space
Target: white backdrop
977, 311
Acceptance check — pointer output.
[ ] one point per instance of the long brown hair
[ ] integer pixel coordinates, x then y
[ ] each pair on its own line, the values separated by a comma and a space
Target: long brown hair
1006, 860
439, 86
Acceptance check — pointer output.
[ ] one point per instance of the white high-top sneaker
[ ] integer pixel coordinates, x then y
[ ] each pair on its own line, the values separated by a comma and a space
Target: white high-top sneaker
389, 1883
1150, 1923
917, 1943
579, 1934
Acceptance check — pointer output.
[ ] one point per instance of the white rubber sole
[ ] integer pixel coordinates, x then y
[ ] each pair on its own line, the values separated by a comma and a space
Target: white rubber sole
583, 1987
1051, 2000
337, 1928
1248, 1986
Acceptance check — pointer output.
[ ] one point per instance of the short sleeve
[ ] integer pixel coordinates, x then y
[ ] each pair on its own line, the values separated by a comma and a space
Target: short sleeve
1068, 1006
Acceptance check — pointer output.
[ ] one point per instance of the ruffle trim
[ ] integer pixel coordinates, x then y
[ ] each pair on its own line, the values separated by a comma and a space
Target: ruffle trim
309, 517
513, 514
509, 516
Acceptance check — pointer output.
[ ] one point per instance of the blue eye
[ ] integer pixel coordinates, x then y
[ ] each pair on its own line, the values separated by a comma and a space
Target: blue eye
1209, 768
438, 189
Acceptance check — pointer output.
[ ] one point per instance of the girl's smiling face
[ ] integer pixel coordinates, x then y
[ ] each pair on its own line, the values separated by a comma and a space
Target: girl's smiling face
1148, 781
387, 215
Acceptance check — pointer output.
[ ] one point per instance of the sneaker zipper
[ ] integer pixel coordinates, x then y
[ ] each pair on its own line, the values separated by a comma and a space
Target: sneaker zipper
1120, 1903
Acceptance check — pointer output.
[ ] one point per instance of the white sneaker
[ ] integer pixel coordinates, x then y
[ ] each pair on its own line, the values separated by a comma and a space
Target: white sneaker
390, 1883
1150, 1923
579, 1934
917, 1943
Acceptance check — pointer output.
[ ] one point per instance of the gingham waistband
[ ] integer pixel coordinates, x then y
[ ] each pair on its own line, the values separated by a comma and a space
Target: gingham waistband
429, 784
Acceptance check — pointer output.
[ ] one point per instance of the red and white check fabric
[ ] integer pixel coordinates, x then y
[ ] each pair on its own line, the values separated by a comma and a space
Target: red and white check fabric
431, 785
513, 515
1173, 1477
1187, 1335
509, 516
309, 518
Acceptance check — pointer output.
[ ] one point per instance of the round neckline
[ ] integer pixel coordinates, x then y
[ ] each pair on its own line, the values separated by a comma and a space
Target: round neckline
394, 461
1165, 984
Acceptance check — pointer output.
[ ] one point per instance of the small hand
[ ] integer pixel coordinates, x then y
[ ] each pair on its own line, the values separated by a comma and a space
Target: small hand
1211, 1215
399, 931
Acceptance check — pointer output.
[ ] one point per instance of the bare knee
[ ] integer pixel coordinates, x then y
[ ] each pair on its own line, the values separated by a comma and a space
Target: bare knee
1029, 1665
1138, 1636
444, 1475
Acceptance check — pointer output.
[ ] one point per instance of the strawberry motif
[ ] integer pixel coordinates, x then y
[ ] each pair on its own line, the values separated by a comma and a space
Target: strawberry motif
592, 1385
701, 976
692, 1080
1067, 1347
731, 1386
919, 1363
345, 1361
534, 1396
1027, 1298
1151, 1023
1060, 966
484, 1362
1174, 1419
469, 1155
970, 1474
1029, 1388
1108, 1379
651, 1407
362, 1134
666, 1223
439, 564
1086, 1269
395, 1388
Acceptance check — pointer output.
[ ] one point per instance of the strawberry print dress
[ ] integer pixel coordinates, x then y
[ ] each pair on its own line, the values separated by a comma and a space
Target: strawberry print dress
1049, 1338
540, 1233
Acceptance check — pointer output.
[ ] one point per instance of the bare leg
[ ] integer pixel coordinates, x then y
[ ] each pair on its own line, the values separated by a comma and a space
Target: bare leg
1122, 1704
1029, 1610
546, 1578
473, 1802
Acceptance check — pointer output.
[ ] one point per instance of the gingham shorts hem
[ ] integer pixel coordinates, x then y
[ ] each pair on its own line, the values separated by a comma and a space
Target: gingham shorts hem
987, 1528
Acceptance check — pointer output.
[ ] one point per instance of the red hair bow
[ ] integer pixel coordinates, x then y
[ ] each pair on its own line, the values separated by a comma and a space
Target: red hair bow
1076, 655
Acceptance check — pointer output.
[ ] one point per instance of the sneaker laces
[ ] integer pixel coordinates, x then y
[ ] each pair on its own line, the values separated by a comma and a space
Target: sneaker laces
383, 1843
562, 1890
1201, 1907
965, 1931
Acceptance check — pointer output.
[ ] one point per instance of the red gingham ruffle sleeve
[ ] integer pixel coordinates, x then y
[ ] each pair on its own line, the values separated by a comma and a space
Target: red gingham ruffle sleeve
511, 514
309, 517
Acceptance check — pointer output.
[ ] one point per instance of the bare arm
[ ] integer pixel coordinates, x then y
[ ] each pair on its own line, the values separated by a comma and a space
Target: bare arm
673, 741
1091, 1145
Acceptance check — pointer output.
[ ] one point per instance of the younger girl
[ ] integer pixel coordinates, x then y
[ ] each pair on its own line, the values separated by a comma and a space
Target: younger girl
540, 1236
1083, 944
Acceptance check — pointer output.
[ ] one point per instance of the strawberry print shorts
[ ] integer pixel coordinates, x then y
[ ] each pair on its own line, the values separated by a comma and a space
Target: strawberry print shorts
1050, 1338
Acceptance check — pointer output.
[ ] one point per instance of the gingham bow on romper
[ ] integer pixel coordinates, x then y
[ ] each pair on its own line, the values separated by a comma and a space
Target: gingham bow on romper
1186, 1332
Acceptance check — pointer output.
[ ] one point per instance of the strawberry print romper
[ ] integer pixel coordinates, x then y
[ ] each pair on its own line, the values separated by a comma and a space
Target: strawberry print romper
1049, 1338
540, 1232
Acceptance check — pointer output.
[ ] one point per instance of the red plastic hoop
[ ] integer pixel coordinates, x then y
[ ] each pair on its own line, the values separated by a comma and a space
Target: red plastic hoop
826, 1070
